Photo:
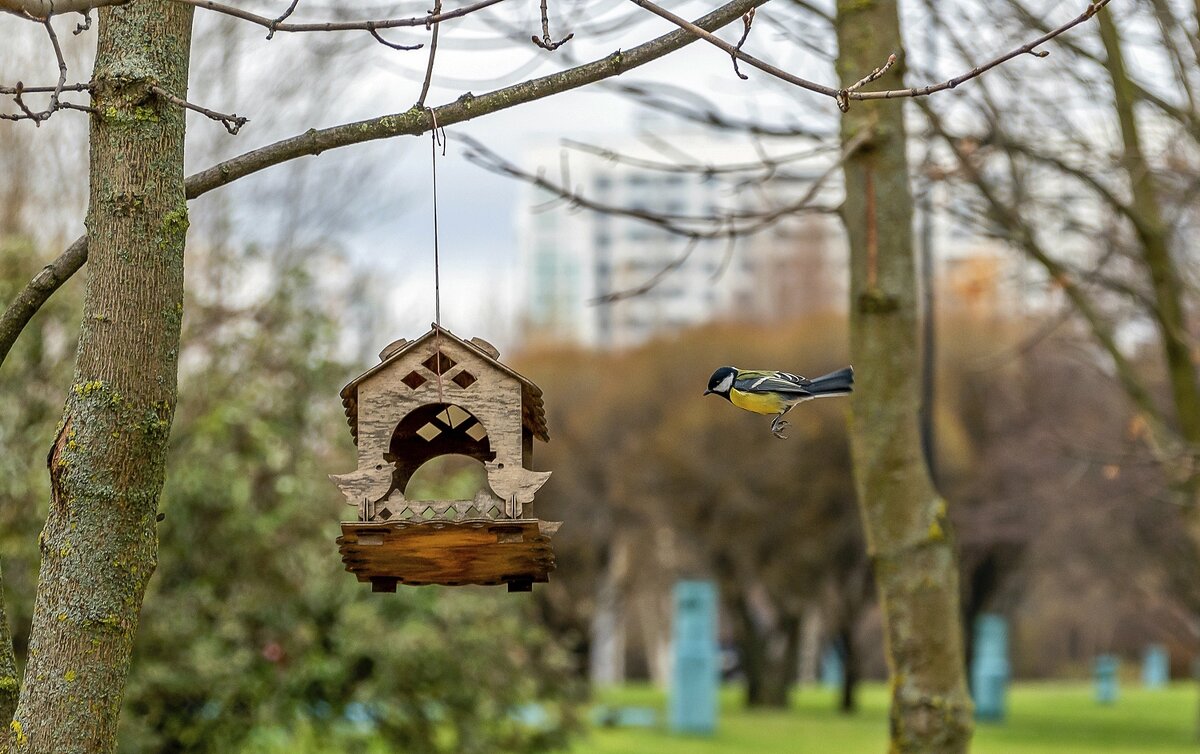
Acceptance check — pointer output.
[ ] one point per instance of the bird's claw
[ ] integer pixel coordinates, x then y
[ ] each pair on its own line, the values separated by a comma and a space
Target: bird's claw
777, 428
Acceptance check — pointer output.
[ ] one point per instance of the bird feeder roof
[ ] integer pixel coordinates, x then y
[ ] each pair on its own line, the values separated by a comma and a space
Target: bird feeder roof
533, 411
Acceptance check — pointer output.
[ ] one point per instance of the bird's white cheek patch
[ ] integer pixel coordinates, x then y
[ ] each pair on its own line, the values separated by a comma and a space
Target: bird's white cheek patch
725, 384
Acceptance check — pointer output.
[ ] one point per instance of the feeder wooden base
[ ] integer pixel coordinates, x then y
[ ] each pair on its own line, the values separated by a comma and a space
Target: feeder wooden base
452, 553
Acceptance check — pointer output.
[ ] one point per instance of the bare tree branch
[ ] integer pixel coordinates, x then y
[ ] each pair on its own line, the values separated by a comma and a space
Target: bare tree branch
274, 25
842, 96
1102, 330
394, 45
767, 165
842, 102
281, 18
56, 91
433, 40
40, 9
1188, 118
547, 42
693, 107
747, 24
413, 122
233, 123
614, 296
730, 225
720, 225
737, 54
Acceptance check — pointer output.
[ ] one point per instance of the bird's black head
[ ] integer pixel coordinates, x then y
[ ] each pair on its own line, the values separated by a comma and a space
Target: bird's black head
721, 381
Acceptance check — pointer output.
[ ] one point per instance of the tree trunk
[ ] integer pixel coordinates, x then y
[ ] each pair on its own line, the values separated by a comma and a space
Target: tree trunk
8, 668
100, 543
848, 702
606, 662
777, 674
786, 672
751, 654
769, 656
907, 532
1161, 268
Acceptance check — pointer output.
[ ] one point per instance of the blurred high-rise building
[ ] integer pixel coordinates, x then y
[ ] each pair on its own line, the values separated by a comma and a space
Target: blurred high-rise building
571, 257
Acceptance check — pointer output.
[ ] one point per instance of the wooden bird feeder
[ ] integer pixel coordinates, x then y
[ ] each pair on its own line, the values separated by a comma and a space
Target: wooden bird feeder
485, 411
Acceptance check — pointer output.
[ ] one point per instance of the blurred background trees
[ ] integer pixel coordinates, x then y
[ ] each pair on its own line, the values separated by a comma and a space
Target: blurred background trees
1048, 462
1095, 184
1065, 491
253, 633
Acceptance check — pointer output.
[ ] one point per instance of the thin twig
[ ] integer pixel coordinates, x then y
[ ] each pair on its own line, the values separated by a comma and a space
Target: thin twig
547, 42
233, 123
62, 65
747, 22
275, 22
55, 104
705, 170
713, 39
371, 25
1027, 48
394, 45
842, 102
10, 90
433, 40
651, 282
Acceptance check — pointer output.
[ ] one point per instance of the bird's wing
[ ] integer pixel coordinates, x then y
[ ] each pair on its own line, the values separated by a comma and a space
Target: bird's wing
753, 381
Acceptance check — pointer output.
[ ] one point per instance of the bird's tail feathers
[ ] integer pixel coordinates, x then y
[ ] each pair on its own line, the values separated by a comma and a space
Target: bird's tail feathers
840, 382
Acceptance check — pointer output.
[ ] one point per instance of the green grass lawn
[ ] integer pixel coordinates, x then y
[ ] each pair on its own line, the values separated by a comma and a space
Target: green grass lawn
1044, 718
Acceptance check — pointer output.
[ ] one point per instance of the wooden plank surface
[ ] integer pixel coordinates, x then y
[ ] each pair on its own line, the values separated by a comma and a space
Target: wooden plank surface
450, 553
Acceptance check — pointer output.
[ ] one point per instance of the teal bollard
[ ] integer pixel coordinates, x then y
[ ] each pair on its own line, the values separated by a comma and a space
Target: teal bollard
1156, 667
695, 668
1105, 670
989, 668
833, 670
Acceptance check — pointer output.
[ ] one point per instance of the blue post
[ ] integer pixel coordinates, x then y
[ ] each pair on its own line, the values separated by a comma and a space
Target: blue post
1106, 678
989, 667
833, 670
1156, 667
695, 670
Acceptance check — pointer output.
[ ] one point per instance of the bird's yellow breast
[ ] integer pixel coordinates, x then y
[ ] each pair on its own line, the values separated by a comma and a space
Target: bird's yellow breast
759, 403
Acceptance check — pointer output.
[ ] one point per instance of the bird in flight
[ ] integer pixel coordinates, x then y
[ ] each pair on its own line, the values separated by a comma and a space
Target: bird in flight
768, 392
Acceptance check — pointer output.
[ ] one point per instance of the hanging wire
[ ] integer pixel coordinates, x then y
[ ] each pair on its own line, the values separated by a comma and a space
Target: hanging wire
436, 141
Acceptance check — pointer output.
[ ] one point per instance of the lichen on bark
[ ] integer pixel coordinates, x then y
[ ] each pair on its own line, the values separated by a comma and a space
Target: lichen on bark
99, 545
9, 686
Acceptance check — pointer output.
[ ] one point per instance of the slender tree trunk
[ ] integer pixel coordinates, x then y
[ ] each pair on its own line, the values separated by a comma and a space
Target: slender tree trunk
9, 685
848, 703
751, 651
607, 658
907, 532
789, 666
780, 651
100, 543
1160, 267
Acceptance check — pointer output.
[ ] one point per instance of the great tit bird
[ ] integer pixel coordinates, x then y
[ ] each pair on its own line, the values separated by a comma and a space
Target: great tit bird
765, 392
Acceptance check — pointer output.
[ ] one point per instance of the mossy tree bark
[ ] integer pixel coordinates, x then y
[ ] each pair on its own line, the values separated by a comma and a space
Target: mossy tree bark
8, 667
99, 546
907, 533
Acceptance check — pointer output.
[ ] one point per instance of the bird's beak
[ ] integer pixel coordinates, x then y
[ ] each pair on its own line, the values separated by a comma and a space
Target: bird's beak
706, 392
